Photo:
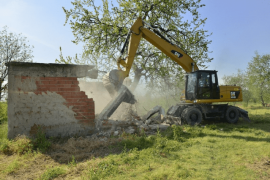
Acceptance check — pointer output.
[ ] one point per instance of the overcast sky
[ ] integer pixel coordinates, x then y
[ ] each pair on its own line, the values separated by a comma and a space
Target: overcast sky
239, 27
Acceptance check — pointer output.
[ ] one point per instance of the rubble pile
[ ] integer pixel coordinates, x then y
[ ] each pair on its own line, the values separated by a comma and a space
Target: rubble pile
155, 119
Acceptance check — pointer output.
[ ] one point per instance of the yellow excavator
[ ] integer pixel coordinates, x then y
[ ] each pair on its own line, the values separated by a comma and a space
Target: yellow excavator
201, 89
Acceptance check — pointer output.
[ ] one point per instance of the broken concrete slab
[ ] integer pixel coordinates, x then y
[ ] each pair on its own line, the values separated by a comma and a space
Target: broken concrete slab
173, 120
123, 95
174, 110
156, 109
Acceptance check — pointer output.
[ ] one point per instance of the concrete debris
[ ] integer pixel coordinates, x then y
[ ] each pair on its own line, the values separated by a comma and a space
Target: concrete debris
127, 112
174, 110
144, 127
147, 122
93, 73
115, 133
149, 125
130, 130
173, 120
156, 109
123, 95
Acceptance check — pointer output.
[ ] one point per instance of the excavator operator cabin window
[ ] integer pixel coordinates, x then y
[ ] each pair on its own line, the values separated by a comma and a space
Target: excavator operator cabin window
204, 79
213, 79
191, 83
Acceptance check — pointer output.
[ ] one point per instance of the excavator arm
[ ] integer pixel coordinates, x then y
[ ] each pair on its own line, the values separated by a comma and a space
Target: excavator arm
139, 31
113, 80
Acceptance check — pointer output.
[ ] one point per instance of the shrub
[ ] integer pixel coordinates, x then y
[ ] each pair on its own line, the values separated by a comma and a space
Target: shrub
3, 112
41, 142
22, 144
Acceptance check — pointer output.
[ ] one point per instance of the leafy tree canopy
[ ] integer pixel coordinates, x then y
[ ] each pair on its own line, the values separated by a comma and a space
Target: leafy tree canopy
259, 76
103, 30
240, 79
13, 47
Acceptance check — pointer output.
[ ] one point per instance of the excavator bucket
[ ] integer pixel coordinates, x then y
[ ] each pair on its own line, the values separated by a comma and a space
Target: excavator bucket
113, 81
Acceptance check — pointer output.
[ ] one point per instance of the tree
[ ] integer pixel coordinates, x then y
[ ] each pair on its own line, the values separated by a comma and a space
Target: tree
13, 47
103, 31
259, 77
240, 79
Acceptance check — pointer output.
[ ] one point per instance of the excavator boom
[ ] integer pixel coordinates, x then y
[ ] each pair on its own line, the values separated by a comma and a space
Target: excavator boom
138, 31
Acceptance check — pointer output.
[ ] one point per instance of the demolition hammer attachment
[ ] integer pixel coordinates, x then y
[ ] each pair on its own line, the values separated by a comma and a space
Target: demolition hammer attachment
113, 82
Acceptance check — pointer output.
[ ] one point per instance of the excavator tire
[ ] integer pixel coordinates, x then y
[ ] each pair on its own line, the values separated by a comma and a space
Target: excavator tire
232, 115
192, 116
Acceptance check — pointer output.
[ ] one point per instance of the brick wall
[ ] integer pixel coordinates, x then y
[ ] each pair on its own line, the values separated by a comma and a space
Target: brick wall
49, 99
68, 88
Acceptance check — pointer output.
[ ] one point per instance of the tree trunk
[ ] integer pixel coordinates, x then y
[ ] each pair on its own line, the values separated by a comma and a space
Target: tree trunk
262, 101
137, 77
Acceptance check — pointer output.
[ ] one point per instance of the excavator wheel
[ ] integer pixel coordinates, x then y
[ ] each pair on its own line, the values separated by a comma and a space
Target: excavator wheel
232, 115
192, 116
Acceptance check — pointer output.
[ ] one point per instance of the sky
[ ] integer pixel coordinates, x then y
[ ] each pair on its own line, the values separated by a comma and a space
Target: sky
239, 27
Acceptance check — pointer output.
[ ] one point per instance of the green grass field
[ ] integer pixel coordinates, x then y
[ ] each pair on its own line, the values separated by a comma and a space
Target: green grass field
211, 151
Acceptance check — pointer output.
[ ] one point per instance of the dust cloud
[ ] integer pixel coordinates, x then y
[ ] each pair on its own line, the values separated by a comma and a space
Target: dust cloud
101, 97
96, 91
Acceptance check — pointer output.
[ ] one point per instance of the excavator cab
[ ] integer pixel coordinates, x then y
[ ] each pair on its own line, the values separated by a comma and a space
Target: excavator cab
202, 84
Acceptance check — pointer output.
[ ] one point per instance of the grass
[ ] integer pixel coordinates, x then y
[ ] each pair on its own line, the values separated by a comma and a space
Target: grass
210, 151
52, 173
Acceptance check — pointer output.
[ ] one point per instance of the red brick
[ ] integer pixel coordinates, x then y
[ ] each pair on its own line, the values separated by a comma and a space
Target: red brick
80, 97
74, 85
79, 93
61, 82
92, 111
76, 104
45, 82
64, 85
64, 93
52, 82
53, 89
85, 110
46, 86
75, 82
42, 89
79, 107
71, 100
67, 78
80, 118
64, 82
69, 89
88, 113
47, 78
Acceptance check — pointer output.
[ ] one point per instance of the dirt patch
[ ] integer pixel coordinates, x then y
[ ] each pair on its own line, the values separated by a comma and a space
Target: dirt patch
262, 168
84, 148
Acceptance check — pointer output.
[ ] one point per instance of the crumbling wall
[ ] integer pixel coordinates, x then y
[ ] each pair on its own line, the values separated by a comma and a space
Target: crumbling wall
97, 91
48, 96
